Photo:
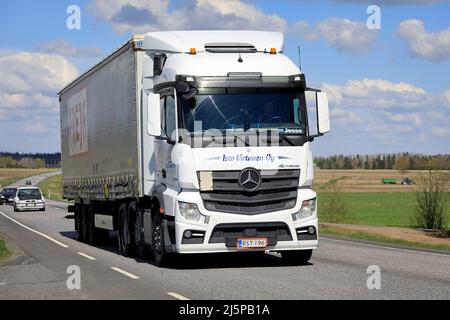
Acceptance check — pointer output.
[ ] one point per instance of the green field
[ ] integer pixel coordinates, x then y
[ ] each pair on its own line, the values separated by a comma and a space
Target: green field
376, 209
52, 188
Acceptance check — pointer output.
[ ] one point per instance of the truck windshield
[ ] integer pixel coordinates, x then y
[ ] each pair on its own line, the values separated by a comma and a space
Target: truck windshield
224, 109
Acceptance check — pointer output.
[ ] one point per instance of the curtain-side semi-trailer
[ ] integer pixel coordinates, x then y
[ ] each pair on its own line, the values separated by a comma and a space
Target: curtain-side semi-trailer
193, 142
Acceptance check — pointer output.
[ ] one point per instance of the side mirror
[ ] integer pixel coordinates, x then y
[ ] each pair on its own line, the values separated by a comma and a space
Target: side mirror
323, 113
153, 114
158, 64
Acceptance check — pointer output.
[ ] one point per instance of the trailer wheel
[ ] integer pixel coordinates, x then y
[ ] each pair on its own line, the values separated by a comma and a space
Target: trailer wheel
83, 234
124, 231
142, 250
297, 256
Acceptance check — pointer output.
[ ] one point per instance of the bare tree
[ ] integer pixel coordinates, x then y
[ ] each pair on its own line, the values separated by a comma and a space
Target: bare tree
335, 208
431, 199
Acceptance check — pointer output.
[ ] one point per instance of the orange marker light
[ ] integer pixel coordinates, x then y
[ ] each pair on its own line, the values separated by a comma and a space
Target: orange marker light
273, 50
192, 51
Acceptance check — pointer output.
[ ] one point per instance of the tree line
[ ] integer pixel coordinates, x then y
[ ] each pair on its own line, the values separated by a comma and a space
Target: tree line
30, 160
396, 161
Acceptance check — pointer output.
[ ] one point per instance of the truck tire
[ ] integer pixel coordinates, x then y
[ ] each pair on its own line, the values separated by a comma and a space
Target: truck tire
141, 249
83, 235
160, 256
125, 244
300, 257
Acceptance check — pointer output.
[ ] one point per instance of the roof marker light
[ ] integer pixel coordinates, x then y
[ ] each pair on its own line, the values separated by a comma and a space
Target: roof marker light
273, 51
192, 51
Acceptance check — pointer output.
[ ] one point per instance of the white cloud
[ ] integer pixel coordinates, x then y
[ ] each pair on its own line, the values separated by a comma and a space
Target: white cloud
29, 83
385, 113
346, 117
64, 48
376, 93
408, 118
26, 72
342, 34
346, 35
432, 46
36, 127
440, 132
141, 16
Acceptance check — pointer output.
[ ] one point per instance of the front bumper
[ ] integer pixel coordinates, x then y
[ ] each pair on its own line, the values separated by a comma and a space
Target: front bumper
250, 225
30, 207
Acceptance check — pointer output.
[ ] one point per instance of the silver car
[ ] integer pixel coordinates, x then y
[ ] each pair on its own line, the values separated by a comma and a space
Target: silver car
29, 199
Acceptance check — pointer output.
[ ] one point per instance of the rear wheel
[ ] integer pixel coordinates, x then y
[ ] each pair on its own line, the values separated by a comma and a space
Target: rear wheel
125, 236
83, 234
297, 256
142, 250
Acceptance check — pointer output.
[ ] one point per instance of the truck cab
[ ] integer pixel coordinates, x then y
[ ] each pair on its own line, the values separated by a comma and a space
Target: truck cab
233, 165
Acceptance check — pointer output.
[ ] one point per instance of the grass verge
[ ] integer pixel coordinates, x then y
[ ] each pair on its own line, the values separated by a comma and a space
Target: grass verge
377, 238
4, 252
52, 188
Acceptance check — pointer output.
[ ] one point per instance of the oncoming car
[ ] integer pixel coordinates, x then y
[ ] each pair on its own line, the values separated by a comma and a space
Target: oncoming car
7, 195
29, 198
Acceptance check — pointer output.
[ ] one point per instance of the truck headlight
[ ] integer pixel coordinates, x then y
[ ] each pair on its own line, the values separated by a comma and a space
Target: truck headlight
307, 210
190, 211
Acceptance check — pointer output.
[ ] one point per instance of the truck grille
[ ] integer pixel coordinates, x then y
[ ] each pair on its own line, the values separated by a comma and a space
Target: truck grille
277, 191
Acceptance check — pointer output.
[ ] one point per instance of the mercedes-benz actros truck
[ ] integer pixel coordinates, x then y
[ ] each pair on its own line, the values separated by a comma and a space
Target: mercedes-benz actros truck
191, 142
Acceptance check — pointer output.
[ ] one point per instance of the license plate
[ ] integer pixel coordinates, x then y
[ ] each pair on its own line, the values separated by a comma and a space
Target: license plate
30, 204
251, 243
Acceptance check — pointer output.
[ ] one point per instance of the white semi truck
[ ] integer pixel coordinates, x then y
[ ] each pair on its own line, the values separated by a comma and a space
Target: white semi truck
193, 142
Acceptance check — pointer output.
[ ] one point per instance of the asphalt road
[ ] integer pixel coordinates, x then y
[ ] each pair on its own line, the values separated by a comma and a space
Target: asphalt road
46, 246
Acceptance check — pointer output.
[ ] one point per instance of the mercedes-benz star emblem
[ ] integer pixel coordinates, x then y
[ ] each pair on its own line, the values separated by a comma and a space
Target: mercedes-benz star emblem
250, 179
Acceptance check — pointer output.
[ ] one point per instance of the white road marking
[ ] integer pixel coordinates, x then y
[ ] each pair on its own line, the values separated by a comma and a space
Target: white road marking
386, 247
177, 296
130, 275
37, 232
86, 256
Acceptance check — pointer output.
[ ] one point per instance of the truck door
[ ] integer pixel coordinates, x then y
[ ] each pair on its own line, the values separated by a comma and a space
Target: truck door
163, 147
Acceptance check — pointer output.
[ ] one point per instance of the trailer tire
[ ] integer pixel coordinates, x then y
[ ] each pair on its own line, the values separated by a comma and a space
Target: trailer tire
83, 234
297, 257
142, 250
125, 245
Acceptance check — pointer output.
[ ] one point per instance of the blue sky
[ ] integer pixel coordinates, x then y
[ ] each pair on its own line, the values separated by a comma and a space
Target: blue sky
389, 89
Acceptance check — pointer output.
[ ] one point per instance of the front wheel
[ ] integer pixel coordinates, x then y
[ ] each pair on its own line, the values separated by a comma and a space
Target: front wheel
15, 209
160, 256
297, 256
